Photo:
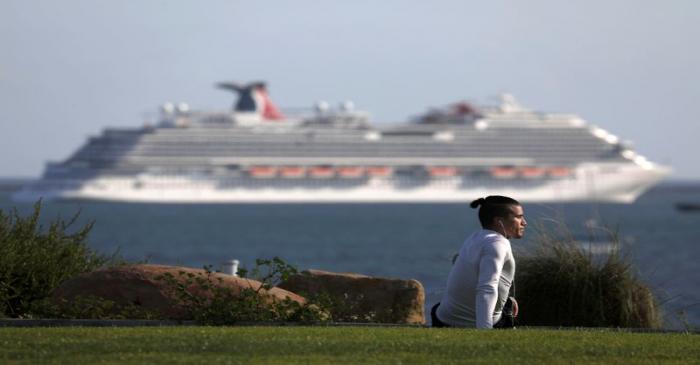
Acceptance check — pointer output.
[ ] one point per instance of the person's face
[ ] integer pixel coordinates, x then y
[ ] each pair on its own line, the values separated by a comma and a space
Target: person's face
514, 224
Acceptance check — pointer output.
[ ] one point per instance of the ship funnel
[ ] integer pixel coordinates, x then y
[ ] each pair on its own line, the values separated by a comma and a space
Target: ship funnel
253, 98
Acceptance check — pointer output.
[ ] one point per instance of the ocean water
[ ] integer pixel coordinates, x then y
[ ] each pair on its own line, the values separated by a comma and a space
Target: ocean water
413, 241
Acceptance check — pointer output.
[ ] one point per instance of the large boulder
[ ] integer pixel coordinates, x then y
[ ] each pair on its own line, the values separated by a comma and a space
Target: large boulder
360, 298
151, 288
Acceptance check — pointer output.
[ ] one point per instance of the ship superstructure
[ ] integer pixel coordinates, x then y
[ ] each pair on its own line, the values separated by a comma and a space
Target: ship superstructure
254, 153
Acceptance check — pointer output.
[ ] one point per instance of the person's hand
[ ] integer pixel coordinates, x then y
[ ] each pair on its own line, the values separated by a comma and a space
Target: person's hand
515, 307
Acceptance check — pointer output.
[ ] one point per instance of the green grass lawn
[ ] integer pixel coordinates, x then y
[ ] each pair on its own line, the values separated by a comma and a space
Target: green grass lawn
339, 345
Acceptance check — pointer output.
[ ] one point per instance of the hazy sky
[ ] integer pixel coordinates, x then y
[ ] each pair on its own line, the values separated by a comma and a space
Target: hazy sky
69, 68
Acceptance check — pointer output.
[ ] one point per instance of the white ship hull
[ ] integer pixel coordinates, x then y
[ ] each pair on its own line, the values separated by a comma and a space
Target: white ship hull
621, 183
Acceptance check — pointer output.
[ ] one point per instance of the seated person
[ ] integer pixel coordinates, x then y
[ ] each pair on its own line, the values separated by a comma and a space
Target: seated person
483, 272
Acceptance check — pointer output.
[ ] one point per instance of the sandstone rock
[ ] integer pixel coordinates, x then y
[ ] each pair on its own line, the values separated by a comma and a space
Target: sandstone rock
363, 298
144, 286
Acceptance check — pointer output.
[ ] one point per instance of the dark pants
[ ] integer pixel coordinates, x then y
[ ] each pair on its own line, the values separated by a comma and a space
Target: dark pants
507, 317
433, 317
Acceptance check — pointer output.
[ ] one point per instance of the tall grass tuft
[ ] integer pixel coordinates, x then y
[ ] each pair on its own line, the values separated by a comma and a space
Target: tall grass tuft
34, 260
561, 283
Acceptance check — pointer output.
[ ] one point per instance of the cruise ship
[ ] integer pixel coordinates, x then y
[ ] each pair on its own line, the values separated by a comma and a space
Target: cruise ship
257, 153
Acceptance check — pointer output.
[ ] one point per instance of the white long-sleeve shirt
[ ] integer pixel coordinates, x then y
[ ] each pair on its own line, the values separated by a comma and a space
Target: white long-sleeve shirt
479, 281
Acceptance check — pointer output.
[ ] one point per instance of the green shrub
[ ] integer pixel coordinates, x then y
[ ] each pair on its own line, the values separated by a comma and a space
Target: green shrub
560, 283
34, 261
209, 303
88, 307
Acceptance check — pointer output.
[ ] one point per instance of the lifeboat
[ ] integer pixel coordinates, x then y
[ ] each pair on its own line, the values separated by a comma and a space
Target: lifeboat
532, 172
379, 171
559, 171
262, 171
321, 172
292, 171
503, 172
442, 171
351, 171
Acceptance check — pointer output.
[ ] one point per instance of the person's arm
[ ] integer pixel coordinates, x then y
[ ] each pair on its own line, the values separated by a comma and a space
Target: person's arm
490, 266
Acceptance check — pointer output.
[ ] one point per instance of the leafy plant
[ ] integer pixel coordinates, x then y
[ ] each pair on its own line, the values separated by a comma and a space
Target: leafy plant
560, 283
33, 260
88, 307
208, 301
270, 272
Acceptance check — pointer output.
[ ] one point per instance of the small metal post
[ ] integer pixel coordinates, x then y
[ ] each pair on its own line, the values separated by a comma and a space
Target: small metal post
230, 267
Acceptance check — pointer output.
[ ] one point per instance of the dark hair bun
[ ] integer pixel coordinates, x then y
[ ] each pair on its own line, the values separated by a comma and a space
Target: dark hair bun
477, 202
